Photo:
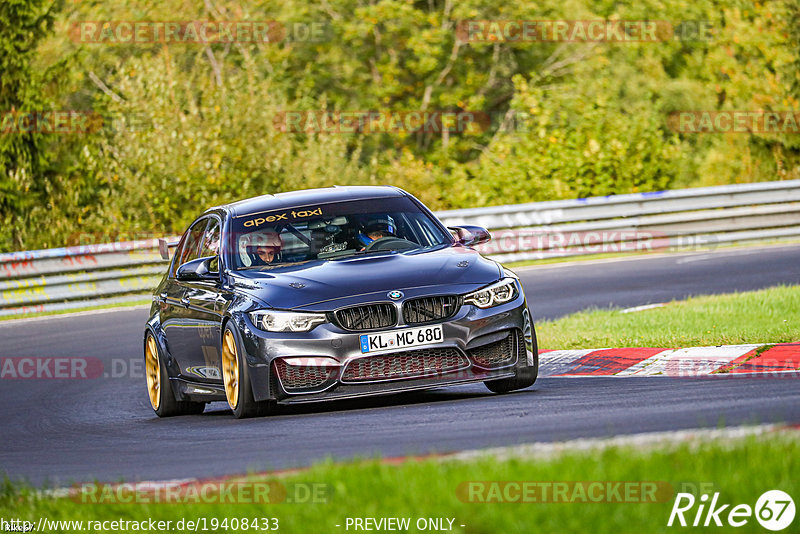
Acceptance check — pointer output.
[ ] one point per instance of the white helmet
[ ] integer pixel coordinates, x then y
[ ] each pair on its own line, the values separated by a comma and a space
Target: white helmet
249, 244
265, 239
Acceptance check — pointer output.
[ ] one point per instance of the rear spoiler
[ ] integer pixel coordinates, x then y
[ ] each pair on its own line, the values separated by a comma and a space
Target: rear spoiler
164, 246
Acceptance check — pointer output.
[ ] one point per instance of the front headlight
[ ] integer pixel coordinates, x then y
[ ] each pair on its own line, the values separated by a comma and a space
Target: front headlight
282, 321
498, 293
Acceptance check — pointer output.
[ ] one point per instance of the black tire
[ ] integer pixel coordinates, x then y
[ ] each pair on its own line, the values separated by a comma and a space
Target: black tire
163, 401
525, 375
244, 405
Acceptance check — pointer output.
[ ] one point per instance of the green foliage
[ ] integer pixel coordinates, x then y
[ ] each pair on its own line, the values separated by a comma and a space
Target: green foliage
24, 159
190, 125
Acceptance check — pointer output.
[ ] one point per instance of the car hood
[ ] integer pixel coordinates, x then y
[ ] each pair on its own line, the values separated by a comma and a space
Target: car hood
326, 285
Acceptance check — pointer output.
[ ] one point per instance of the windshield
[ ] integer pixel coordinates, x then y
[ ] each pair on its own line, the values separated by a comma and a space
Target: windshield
331, 231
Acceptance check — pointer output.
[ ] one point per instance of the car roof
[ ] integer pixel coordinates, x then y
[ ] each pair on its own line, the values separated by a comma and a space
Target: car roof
304, 197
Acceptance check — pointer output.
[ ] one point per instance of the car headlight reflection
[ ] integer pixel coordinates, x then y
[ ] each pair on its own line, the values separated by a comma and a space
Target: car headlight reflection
498, 293
282, 321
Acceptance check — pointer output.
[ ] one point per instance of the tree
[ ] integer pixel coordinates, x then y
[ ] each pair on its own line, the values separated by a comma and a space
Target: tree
24, 159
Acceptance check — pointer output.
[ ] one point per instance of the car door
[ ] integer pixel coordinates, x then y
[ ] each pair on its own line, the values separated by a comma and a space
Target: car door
176, 316
204, 313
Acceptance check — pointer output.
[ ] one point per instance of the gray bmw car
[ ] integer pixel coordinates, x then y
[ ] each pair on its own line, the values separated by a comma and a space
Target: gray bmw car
329, 294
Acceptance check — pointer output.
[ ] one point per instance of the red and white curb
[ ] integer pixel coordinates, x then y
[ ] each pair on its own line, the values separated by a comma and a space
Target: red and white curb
778, 360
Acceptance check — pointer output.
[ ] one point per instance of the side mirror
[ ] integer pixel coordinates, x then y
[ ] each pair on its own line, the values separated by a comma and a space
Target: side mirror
469, 236
198, 270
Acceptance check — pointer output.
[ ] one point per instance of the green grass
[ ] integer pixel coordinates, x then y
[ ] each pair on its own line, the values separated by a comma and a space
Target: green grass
739, 469
765, 316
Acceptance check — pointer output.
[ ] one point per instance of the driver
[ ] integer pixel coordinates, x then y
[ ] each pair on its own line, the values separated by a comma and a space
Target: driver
263, 248
377, 229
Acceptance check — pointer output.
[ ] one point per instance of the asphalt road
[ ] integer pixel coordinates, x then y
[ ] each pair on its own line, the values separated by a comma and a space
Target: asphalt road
61, 431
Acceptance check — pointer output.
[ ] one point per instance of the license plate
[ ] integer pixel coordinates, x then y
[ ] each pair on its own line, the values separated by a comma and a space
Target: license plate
400, 339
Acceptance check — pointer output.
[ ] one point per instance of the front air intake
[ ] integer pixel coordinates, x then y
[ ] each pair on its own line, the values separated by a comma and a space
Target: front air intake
430, 309
367, 317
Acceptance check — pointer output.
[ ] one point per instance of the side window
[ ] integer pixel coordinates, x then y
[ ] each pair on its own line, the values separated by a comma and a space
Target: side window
210, 243
191, 243
192, 251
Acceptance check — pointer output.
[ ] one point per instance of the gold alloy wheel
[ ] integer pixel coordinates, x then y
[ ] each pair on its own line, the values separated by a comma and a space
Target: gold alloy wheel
153, 372
230, 369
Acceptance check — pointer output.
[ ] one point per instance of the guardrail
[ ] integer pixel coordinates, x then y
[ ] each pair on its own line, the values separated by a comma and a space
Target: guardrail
64, 278
679, 219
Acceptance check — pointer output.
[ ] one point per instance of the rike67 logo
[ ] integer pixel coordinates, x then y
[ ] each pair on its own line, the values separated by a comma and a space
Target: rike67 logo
774, 510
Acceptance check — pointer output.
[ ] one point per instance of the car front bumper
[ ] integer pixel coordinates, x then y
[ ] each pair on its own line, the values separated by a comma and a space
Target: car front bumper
328, 355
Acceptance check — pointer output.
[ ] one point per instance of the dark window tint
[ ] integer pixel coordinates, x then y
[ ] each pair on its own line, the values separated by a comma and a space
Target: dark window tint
191, 244
209, 246
333, 231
